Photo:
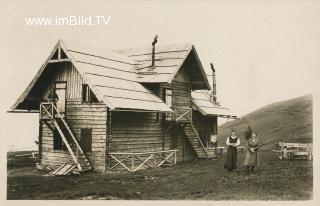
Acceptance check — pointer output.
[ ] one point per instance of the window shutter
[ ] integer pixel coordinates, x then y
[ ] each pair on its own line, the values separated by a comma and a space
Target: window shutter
57, 140
86, 139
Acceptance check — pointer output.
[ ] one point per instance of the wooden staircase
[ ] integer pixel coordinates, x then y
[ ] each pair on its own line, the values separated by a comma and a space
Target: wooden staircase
183, 117
194, 138
49, 112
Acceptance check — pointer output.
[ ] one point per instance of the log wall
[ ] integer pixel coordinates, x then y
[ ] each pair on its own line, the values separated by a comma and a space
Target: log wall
78, 115
181, 97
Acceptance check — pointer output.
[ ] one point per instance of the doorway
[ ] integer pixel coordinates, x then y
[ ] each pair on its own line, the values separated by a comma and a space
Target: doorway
61, 91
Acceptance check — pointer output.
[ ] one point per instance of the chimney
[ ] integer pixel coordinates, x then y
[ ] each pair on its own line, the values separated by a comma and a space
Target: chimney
154, 50
214, 90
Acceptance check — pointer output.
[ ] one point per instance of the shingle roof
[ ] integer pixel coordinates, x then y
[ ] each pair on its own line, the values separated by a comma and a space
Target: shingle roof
168, 60
116, 76
113, 77
110, 76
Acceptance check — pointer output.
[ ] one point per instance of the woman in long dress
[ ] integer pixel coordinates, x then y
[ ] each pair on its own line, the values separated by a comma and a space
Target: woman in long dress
251, 158
231, 157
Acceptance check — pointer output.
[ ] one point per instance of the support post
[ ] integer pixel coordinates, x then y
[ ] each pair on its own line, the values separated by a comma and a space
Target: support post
132, 163
40, 142
175, 157
59, 52
109, 137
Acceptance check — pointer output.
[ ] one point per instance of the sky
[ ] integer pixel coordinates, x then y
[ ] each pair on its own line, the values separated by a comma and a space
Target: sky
263, 51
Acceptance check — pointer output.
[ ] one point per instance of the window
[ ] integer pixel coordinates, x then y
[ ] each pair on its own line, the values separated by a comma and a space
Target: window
168, 101
87, 94
86, 139
57, 140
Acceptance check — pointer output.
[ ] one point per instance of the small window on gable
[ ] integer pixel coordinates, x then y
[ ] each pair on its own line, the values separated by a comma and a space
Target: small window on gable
59, 54
55, 55
168, 101
63, 55
87, 95
86, 139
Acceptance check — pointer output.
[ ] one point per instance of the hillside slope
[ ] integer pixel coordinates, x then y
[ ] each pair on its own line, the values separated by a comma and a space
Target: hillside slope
287, 121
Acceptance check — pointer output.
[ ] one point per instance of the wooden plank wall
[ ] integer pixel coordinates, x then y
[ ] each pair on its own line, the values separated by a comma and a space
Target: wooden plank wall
51, 157
185, 151
181, 97
94, 116
65, 72
136, 132
78, 115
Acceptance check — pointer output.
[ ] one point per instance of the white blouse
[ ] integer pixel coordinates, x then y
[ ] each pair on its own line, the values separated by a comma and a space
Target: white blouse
233, 144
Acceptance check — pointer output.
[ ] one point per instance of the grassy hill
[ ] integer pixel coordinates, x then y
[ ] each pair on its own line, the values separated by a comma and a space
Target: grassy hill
287, 121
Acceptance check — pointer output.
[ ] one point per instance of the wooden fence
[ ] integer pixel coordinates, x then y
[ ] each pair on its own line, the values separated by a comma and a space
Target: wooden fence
129, 161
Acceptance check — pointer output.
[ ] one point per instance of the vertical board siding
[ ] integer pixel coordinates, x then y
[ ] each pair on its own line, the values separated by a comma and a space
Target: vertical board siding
65, 72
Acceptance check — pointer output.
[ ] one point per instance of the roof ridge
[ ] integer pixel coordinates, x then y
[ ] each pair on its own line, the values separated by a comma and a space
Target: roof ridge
97, 52
158, 46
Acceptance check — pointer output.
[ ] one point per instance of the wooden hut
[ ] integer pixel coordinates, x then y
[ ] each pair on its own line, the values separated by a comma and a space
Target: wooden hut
129, 109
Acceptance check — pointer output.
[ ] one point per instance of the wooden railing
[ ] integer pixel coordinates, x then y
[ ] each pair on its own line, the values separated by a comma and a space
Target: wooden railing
204, 134
133, 161
48, 111
182, 114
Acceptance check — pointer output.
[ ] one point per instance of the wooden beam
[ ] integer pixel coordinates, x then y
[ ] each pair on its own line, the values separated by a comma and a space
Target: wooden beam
23, 111
40, 142
120, 162
144, 161
59, 52
67, 145
58, 60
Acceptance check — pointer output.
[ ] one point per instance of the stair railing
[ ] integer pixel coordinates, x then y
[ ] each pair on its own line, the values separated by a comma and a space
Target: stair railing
194, 117
199, 139
53, 112
183, 114
68, 146
197, 122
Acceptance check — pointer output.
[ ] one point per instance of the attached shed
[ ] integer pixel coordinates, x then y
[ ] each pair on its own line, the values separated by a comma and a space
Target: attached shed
129, 108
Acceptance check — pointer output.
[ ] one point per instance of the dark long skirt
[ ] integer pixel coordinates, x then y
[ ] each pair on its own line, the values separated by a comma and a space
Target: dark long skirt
231, 158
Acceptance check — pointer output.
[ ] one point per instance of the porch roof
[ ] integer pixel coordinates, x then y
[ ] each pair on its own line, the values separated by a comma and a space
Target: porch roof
200, 101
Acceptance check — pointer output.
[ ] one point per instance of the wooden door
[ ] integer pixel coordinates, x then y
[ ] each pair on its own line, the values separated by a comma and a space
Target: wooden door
61, 91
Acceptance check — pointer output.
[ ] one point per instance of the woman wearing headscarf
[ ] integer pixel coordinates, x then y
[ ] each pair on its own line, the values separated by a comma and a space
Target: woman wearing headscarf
251, 158
231, 157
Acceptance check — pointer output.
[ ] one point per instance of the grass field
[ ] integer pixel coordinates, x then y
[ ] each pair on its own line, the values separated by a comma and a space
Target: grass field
202, 179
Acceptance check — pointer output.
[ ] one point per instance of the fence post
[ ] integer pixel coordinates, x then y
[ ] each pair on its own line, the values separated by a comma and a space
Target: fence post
175, 157
132, 163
